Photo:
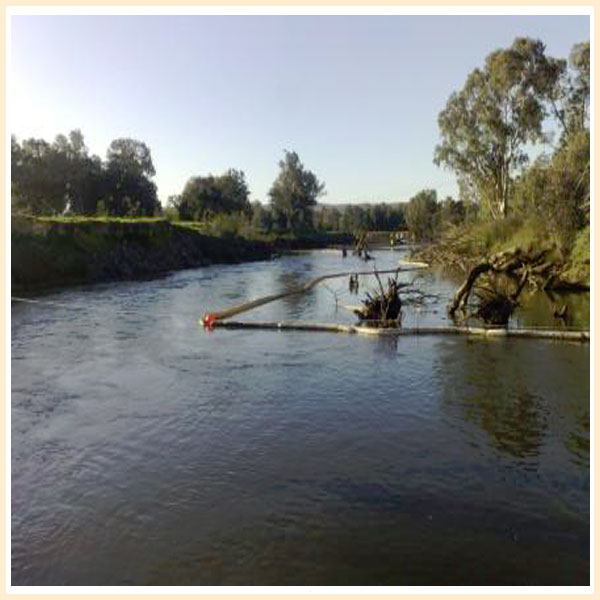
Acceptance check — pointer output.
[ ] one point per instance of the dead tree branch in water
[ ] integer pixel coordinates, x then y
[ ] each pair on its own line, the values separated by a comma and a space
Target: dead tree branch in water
496, 304
362, 249
385, 305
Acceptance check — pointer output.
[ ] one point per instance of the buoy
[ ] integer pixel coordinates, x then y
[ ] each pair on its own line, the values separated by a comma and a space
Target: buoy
209, 319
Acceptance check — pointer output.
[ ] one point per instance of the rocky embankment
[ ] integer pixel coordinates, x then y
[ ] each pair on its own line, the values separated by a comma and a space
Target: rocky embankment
48, 253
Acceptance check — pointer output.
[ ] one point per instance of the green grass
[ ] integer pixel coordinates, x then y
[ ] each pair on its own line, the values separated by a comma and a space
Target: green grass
95, 219
223, 227
482, 238
485, 238
470, 244
578, 265
581, 248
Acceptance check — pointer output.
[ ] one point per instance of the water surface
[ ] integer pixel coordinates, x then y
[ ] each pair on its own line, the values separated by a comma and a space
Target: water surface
146, 451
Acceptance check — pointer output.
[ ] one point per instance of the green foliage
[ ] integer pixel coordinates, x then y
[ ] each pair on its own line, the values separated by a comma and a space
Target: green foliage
52, 179
480, 238
293, 194
420, 214
484, 133
557, 190
375, 217
34, 186
577, 269
234, 191
501, 107
575, 92
581, 248
451, 212
262, 219
91, 220
170, 213
355, 218
101, 209
132, 156
204, 197
386, 217
328, 218
229, 225
129, 190
250, 225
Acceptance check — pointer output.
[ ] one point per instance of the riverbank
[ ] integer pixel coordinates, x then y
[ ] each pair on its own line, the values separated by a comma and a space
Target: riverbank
556, 266
55, 252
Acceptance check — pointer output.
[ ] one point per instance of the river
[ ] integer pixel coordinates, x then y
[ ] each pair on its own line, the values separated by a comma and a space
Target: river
145, 450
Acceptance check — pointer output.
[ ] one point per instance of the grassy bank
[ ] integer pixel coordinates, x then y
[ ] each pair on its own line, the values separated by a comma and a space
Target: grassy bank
60, 251
470, 244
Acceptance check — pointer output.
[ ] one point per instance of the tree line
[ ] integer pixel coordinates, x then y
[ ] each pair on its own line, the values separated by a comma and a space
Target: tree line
503, 109
485, 129
61, 177
293, 195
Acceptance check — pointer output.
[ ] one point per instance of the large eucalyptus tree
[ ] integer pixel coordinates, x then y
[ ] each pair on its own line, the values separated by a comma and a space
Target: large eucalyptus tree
486, 125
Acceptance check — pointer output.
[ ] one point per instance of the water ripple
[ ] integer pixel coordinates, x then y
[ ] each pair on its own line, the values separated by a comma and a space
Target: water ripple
146, 450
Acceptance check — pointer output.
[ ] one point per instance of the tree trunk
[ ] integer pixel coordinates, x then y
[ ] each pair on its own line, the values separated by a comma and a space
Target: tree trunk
462, 294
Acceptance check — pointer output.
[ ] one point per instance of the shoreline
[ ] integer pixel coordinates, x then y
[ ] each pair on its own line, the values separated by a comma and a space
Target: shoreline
52, 253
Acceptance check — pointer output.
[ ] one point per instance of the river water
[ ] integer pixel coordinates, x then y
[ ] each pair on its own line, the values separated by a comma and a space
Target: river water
145, 450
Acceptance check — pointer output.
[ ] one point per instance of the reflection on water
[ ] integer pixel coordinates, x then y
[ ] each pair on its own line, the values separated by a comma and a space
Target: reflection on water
287, 281
147, 451
539, 308
512, 395
497, 397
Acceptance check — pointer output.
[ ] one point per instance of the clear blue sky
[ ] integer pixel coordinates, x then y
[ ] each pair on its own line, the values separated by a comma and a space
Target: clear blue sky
356, 96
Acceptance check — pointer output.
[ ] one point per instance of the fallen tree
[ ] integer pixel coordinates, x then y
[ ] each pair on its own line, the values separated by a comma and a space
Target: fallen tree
464, 248
497, 298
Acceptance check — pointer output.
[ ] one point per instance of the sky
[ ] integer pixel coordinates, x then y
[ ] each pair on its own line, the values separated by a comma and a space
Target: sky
357, 97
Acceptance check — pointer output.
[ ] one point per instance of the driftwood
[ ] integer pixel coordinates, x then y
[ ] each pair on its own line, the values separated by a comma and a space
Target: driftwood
361, 243
362, 249
384, 306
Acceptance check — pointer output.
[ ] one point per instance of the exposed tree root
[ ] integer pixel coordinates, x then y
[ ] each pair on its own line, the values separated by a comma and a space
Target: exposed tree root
496, 301
384, 306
